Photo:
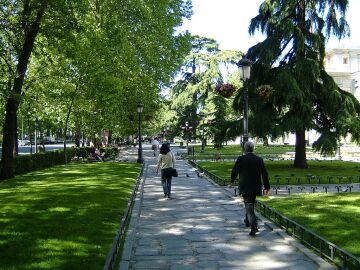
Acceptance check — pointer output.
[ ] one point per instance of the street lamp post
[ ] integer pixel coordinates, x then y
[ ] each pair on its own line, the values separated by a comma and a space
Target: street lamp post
139, 109
245, 69
187, 129
202, 116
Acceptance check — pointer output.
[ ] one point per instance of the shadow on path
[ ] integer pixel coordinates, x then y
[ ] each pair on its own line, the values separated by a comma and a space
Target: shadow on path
201, 228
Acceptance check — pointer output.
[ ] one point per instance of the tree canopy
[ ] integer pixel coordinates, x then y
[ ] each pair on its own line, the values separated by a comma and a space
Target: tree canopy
194, 93
289, 85
85, 63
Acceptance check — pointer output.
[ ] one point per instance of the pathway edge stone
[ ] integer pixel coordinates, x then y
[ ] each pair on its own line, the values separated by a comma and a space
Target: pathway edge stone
298, 245
135, 215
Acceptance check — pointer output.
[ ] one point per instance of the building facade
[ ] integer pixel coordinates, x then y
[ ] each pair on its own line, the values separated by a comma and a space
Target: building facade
343, 64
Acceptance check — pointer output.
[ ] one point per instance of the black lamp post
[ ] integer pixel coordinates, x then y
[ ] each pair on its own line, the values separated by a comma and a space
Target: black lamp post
139, 109
187, 129
245, 69
202, 116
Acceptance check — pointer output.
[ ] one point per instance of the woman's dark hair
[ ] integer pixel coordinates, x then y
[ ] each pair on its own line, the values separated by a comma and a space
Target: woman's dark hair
164, 149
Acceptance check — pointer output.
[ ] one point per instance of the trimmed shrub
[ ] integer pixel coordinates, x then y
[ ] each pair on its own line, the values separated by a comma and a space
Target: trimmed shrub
27, 163
110, 152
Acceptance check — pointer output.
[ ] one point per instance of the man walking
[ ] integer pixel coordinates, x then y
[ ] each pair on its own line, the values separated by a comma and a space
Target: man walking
251, 169
155, 145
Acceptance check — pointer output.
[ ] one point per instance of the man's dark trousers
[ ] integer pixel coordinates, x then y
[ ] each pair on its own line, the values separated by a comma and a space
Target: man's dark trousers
249, 201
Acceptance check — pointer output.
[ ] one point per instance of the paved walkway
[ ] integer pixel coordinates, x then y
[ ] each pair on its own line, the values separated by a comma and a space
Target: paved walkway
202, 228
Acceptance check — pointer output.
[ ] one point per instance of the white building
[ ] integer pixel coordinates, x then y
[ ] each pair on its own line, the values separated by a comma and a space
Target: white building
343, 64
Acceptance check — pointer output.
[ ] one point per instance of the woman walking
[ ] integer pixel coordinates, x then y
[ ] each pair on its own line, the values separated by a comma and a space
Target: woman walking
166, 162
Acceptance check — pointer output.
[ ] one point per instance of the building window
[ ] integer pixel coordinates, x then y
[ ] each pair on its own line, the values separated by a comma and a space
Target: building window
345, 60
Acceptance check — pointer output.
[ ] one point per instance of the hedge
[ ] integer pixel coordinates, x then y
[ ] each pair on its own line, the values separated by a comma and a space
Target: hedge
28, 163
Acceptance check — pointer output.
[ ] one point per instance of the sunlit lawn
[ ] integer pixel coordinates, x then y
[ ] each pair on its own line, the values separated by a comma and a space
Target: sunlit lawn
333, 216
336, 217
234, 149
64, 217
284, 171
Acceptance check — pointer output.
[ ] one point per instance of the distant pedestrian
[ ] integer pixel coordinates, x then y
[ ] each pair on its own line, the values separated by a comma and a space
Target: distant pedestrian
166, 161
155, 145
251, 169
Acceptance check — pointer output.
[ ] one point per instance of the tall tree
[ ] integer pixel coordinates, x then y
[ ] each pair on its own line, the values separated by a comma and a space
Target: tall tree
28, 27
299, 94
124, 50
195, 91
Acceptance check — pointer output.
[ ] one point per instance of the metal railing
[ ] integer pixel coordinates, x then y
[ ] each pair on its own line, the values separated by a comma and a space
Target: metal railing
112, 255
215, 178
298, 181
326, 249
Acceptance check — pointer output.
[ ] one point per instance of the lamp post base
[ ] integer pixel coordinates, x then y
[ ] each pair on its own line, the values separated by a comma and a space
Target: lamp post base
140, 159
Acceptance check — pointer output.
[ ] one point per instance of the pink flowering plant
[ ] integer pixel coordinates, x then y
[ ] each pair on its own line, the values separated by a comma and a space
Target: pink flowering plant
226, 90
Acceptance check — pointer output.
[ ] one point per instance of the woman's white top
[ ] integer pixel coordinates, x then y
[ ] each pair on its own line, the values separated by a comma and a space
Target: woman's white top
166, 161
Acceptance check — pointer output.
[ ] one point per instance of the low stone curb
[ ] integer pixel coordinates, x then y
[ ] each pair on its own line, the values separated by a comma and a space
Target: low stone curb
136, 211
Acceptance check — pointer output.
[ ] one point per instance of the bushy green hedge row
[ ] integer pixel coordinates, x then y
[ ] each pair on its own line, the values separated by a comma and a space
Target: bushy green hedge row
110, 152
28, 163
84, 152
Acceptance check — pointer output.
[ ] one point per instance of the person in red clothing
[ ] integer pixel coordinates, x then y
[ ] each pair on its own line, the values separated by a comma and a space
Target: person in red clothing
252, 170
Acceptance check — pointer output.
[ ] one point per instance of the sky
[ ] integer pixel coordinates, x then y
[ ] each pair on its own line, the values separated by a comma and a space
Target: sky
227, 22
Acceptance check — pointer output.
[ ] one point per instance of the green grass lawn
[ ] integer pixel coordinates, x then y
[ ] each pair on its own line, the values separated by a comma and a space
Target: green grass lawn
336, 217
283, 170
236, 149
233, 151
65, 217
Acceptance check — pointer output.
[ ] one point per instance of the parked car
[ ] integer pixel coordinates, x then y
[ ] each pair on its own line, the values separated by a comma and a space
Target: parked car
23, 142
49, 139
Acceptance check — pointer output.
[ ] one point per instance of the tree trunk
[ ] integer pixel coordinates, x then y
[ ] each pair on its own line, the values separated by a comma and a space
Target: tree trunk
77, 133
68, 117
266, 141
300, 150
9, 127
31, 30
110, 139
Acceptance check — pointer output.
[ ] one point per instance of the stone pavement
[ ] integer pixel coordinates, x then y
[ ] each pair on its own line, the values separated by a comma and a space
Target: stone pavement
202, 228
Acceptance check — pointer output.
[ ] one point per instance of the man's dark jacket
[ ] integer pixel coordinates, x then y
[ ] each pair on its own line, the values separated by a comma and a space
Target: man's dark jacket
251, 168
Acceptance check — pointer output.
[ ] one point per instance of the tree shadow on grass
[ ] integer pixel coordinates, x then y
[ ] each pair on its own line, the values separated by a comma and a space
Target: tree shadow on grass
64, 217
333, 216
